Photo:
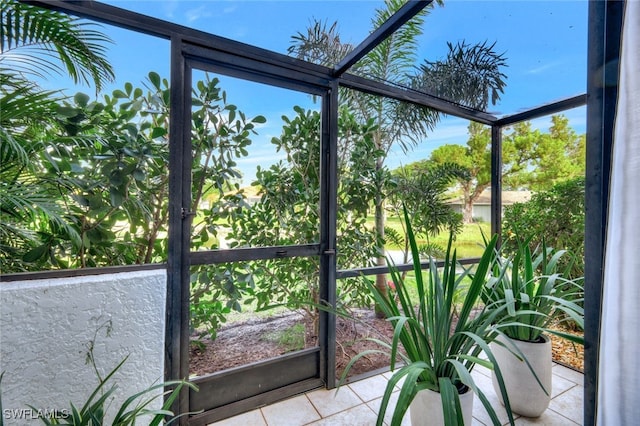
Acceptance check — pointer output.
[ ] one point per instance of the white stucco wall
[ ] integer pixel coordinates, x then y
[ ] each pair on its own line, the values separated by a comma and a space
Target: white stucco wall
47, 325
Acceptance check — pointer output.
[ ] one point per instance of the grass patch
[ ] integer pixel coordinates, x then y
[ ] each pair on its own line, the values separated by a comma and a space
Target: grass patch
291, 338
469, 242
250, 311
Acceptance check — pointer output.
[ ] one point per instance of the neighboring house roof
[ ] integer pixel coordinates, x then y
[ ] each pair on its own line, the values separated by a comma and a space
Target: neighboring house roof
508, 198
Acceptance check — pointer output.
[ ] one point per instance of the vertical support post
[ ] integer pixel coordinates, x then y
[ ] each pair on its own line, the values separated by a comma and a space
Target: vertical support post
605, 23
177, 323
496, 182
328, 224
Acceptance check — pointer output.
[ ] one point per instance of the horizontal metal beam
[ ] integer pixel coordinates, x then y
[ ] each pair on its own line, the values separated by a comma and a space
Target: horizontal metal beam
156, 27
249, 404
253, 385
418, 98
253, 253
67, 273
398, 19
164, 29
231, 385
253, 70
377, 270
541, 111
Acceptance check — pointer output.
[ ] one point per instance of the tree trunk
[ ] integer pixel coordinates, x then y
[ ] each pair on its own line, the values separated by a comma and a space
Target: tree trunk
381, 260
467, 210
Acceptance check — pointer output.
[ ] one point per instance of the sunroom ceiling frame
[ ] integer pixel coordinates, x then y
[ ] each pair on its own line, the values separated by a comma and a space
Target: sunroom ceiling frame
123, 18
398, 19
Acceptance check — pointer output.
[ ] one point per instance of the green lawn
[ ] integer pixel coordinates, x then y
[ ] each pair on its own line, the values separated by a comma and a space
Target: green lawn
469, 242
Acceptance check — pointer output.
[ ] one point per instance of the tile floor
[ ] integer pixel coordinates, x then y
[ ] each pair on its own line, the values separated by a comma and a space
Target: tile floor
357, 403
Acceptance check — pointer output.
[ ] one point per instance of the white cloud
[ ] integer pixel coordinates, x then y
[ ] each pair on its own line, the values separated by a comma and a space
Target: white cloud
169, 7
193, 15
208, 10
229, 9
545, 67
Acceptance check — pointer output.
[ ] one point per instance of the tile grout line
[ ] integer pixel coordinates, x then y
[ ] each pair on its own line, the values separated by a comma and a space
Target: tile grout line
565, 391
264, 419
306, 395
564, 417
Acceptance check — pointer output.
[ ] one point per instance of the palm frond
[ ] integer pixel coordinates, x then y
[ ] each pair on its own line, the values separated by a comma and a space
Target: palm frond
321, 44
470, 75
29, 33
394, 57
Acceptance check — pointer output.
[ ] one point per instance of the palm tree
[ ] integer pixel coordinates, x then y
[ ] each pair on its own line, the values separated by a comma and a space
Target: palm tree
469, 75
36, 43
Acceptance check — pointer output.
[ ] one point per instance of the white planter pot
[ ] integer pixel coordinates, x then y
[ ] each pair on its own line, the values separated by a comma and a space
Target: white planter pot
526, 396
426, 408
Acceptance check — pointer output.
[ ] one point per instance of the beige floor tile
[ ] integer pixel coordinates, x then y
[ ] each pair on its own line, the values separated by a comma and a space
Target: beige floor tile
291, 412
560, 385
375, 406
482, 370
479, 411
569, 374
569, 404
370, 388
548, 418
361, 415
328, 402
388, 375
476, 422
323, 407
253, 418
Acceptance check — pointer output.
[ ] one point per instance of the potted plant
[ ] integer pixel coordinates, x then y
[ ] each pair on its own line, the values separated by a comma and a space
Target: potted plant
536, 296
441, 342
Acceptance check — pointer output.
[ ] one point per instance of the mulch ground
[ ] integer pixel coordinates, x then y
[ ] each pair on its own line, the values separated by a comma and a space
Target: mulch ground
568, 353
256, 340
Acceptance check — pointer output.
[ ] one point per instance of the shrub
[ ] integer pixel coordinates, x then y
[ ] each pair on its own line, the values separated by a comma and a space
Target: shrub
555, 216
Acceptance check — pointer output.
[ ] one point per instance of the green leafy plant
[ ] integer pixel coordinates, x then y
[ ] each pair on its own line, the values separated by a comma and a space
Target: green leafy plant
134, 408
533, 288
441, 342
555, 215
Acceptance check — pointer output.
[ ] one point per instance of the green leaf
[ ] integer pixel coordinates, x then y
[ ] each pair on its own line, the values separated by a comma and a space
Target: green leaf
36, 253
81, 99
139, 175
116, 178
95, 201
158, 132
94, 235
119, 94
66, 112
117, 196
154, 78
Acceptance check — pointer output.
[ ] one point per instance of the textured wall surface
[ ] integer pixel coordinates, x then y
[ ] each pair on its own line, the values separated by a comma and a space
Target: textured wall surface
48, 326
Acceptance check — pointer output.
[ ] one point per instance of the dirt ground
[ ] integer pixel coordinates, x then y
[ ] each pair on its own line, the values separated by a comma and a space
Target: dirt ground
255, 340
250, 341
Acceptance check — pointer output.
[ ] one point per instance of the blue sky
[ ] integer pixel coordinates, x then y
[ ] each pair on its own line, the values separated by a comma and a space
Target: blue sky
545, 43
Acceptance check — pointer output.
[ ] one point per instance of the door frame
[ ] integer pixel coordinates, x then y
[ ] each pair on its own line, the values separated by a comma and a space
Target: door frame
264, 382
